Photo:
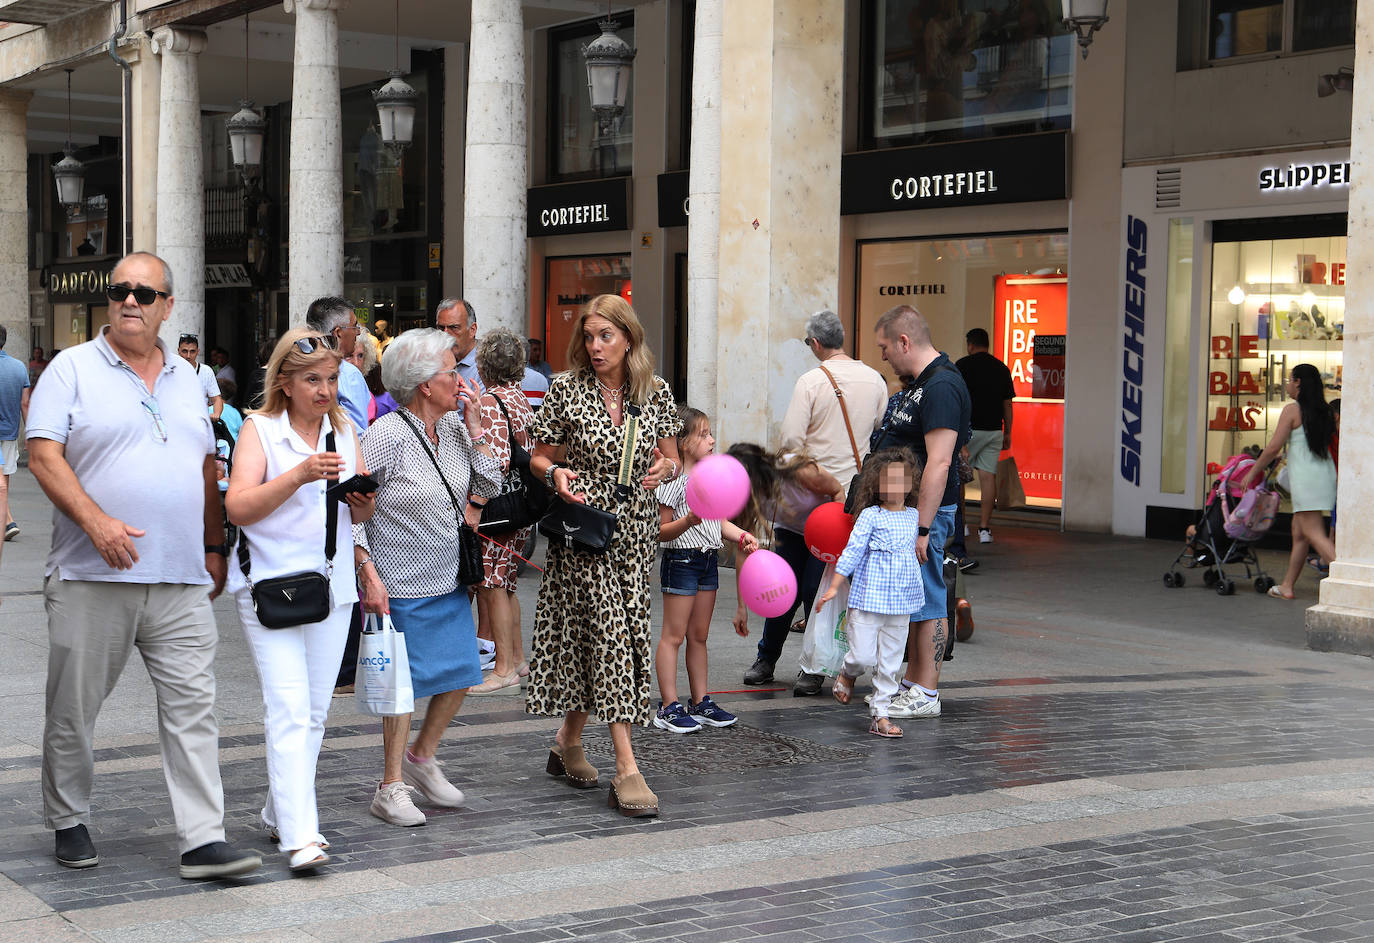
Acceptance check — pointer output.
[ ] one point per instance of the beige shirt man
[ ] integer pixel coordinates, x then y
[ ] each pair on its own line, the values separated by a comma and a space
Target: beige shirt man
814, 422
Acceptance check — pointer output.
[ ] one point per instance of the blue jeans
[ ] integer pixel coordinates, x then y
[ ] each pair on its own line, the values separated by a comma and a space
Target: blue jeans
808, 569
933, 570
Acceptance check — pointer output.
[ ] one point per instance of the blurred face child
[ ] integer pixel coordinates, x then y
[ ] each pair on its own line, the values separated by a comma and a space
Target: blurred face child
698, 443
894, 484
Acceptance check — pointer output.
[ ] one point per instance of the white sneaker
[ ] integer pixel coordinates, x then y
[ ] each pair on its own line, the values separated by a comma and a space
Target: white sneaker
432, 783
911, 703
984, 535
392, 803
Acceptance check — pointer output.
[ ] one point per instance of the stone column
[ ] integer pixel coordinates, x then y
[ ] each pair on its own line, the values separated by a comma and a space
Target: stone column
14, 230
495, 254
181, 179
147, 79
1343, 620
703, 220
315, 262
779, 202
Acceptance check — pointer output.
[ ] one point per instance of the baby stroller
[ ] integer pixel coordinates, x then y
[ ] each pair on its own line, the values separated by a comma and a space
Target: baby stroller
1233, 519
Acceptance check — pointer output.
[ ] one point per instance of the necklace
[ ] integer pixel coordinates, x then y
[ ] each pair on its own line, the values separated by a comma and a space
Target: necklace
614, 394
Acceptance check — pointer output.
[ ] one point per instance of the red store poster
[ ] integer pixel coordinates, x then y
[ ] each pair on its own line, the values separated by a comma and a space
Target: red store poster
1030, 324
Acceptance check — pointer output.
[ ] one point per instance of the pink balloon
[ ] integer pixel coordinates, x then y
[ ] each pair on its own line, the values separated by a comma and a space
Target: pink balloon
718, 488
767, 584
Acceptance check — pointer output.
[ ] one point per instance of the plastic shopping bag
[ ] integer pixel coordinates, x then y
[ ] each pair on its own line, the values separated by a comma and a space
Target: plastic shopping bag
382, 686
825, 643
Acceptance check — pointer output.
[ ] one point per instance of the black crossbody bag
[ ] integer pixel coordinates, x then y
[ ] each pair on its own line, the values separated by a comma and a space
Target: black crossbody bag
523, 499
583, 526
469, 547
297, 598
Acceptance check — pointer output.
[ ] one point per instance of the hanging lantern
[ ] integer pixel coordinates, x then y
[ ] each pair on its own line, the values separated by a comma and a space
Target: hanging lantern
246, 130
396, 111
609, 65
70, 177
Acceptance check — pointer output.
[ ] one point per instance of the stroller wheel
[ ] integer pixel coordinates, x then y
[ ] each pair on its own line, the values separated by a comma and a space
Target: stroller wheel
1263, 583
1169, 579
1209, 577
1225, 587
1179, 580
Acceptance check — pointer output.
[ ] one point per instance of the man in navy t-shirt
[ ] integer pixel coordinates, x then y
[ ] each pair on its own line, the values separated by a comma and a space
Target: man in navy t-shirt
933, 421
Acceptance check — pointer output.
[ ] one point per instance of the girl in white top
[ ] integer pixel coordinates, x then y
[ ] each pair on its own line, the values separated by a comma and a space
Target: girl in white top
277, 498
690, 581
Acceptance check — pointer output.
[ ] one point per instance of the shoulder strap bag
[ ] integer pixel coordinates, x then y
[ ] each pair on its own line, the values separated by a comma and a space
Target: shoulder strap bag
844, 411
469, 548
297, 598
523, 499
583, 526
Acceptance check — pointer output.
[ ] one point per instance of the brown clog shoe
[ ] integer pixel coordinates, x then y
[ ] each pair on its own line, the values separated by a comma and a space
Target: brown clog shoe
632, 797
571, 763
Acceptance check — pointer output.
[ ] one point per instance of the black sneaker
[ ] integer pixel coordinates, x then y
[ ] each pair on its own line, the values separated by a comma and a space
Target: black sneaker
218, 860
75, 848
808, 685
760, 672
967, 564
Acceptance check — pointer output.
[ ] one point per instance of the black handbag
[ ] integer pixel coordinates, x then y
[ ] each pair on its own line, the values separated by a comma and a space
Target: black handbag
523, 499
586, 527
470, 571
297, 598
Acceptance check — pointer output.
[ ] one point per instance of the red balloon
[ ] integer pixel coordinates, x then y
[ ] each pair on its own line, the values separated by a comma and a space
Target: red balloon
827, 531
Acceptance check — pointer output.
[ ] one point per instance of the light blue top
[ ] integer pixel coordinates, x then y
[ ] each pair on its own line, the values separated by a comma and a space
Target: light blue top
233, 420
14, 379
880, 562
139, 455
353, 394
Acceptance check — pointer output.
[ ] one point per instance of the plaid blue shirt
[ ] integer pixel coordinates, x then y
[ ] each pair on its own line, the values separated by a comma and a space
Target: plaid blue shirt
880, 562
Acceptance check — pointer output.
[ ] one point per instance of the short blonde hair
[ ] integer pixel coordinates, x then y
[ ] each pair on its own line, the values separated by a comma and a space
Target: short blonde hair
639, 362
372, 352
287, 360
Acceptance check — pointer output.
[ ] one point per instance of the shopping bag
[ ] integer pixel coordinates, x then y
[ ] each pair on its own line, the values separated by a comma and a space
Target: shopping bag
825, 643
1010, 494
382, 686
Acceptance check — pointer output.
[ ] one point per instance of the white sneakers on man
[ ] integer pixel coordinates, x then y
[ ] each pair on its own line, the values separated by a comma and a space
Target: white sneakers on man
984, 535
911, 703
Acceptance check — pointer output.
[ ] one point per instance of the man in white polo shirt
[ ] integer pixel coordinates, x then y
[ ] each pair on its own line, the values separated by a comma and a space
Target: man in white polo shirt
120, 440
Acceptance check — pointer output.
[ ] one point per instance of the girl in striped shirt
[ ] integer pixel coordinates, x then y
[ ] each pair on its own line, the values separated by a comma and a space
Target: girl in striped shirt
690, 581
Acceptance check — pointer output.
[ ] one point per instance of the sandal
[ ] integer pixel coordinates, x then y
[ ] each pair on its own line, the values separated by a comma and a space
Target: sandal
306, 859
1274, 591
843, 688
882, 727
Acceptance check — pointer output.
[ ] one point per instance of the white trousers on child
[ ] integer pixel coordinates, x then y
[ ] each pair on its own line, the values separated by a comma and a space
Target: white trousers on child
877, 642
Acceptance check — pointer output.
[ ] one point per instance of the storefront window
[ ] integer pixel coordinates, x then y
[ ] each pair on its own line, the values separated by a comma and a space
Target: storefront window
1178, 349
571, 283
384, 191
1015, 288
939, 70
1275, 303
1254, 27
577, 149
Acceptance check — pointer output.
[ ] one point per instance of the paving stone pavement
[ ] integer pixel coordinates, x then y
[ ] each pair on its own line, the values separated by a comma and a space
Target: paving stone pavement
1115, 761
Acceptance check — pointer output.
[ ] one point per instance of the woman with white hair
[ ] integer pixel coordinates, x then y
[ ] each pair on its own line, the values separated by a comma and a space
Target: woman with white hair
432, 460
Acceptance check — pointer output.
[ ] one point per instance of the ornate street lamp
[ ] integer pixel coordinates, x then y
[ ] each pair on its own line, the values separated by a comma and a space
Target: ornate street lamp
609, 67
246, 128
1085, 17
68, 173
396, 103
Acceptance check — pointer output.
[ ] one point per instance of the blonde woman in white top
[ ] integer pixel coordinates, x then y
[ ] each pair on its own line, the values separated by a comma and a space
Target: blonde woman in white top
277, 497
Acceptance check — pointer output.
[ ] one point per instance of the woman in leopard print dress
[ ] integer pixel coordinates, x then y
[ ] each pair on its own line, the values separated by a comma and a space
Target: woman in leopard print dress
591, 646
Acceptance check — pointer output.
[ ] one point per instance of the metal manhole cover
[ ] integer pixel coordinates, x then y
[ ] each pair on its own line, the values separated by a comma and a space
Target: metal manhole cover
717, 750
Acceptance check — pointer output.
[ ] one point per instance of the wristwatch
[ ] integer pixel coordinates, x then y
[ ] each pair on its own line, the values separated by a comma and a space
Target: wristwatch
923, 531
221, 549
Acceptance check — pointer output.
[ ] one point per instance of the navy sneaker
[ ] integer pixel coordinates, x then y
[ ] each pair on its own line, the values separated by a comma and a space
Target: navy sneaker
674, 717
710, 713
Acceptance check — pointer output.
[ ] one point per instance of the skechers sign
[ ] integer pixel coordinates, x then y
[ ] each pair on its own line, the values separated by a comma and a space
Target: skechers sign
1303, 176
562, 209
1133, 350
1019, 169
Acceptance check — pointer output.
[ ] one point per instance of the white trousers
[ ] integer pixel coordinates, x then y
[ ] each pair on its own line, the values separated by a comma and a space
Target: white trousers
297, 667
877, 642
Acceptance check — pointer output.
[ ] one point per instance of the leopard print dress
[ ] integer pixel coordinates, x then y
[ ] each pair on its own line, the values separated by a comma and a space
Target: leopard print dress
592, 631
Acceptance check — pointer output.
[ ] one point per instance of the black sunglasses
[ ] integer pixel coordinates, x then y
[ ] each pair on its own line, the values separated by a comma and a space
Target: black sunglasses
143, 295
308, 345
185, 338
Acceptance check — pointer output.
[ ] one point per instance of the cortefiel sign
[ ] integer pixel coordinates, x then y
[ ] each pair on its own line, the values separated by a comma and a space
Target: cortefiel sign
673, 205
566, 208
1019, 169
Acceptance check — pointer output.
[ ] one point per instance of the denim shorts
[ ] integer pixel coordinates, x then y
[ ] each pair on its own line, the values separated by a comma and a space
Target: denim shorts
688, 572
933, 570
